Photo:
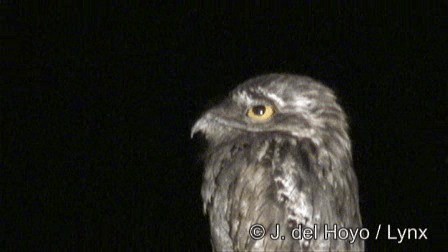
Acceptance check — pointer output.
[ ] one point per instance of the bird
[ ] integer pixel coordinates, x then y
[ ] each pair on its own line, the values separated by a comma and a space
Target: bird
278, 161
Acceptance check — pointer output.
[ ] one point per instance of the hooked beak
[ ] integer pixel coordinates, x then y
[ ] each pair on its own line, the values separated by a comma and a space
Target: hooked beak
213, 119
200, 125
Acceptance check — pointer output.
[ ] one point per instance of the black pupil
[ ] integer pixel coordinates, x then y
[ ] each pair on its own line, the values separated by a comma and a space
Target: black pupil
259, 110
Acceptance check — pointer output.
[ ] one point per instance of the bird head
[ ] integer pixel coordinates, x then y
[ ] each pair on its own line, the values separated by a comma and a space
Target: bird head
298, 106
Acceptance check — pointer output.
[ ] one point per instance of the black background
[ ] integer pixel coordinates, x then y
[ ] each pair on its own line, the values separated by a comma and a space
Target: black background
97, 103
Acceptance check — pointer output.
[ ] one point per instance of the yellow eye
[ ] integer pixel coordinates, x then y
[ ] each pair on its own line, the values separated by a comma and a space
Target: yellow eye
261, 113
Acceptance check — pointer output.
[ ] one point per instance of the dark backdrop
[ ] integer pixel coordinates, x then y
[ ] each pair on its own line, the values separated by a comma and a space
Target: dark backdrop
97, 103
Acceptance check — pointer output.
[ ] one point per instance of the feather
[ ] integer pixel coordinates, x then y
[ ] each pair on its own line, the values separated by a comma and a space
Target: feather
289, 173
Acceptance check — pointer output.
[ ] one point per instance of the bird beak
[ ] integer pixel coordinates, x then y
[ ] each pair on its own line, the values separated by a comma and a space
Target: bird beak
200, 125
216, 118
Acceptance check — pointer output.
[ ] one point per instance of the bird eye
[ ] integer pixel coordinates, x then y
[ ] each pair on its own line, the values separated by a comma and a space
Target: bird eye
261, 113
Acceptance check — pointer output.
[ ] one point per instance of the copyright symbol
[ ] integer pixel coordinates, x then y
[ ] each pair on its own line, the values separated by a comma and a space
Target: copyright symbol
257, 232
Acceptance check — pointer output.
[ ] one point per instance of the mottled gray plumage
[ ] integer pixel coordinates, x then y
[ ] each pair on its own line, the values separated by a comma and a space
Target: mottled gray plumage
294, 169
